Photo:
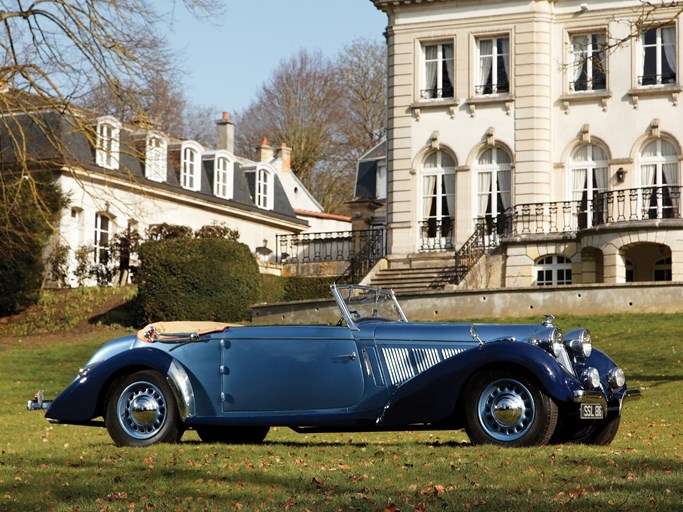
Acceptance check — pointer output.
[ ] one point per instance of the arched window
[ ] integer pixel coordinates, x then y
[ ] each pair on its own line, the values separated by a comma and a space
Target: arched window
107, 151
437, 174
189, 168
223, 178
659, 179
155, 158
588, 170
264, 188
494, 175
553, 270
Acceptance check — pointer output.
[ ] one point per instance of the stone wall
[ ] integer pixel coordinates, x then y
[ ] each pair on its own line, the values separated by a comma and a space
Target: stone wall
521, 302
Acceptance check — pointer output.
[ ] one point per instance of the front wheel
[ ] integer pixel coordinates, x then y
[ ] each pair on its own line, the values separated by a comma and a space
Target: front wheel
141, 410
508, 409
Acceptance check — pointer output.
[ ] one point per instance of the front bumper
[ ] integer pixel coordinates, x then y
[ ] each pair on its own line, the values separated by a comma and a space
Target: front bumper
38, 403
583, 396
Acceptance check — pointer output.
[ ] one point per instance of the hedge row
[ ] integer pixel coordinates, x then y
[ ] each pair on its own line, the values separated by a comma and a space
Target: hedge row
197, 279
286, 289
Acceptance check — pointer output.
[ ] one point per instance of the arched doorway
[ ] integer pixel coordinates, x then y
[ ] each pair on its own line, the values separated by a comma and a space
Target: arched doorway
647, 262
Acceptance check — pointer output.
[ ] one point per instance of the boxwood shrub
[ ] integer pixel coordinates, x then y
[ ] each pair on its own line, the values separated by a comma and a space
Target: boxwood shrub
197, 279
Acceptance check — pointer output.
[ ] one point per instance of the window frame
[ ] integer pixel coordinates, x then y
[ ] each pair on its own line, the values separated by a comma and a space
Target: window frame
190, 172
479, 88
552, 265
223, 176
436, 93
101, 249
156, 161
264, 183
107, 144
588, 53
660, 57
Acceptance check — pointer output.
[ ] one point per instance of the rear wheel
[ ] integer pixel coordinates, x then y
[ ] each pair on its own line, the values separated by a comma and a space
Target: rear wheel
232, 434
141, 410
508, 409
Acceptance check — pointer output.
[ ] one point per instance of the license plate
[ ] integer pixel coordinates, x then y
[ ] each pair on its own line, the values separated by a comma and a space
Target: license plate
591, 412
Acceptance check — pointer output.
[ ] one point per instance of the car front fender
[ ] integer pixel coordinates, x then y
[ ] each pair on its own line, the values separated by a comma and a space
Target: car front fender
83, 399
433, 395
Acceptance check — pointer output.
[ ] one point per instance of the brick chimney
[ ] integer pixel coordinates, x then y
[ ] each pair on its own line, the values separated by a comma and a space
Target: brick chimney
225, 131
265, 152
285, 154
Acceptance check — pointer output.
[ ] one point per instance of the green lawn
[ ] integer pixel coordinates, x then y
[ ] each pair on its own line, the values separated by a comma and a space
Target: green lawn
66, 468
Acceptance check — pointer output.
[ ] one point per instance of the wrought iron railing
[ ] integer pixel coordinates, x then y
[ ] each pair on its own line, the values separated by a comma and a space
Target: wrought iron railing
627, 205
655, 79
486, 89
373, 249
436, 94
487, 234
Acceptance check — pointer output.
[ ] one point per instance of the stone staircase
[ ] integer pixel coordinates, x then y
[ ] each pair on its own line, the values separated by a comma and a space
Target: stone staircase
429, 272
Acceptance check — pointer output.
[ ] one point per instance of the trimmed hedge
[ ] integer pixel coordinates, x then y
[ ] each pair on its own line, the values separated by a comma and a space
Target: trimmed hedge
286, 289
197, 279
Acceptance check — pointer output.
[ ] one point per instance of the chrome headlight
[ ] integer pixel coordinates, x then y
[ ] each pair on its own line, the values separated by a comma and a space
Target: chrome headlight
616, 378
579, 342
590, 378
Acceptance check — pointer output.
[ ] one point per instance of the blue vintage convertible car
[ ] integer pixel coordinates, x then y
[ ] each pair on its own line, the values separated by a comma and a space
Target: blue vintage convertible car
512, 385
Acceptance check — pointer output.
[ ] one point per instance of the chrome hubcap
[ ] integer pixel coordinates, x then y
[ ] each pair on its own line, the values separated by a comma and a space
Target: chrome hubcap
506, 410
142, 410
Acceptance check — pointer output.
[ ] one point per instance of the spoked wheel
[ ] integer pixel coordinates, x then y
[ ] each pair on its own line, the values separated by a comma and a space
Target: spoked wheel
508, 409
232, 434
141, 410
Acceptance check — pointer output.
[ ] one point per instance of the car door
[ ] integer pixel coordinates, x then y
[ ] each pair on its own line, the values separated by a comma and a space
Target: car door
290, 368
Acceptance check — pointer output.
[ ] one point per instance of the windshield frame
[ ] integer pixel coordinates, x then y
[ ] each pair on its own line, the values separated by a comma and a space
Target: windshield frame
359, 303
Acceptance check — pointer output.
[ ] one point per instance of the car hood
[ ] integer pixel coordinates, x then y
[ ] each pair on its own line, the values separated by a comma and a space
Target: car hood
413, 331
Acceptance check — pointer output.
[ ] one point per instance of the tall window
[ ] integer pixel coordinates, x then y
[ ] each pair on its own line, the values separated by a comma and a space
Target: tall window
659, 180
587, 62
658, 55
102, 238
438, 72
381, 180
589, 178
155, 158
553, 270
494, 178
438, 201
264, 189
189, 172
223, 185
662, 270
107, 153
494, 66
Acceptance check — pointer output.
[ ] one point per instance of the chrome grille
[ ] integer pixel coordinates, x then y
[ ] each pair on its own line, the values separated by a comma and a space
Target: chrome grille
398, 363
405, 363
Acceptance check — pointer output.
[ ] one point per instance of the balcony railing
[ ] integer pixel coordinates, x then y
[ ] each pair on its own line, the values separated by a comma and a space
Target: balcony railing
330, 246
487, 89
436, 94
653, 79
436, 235
628, 205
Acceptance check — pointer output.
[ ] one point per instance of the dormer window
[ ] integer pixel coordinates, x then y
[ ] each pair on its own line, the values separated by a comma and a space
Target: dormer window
264, 188
190, 162
223, 169
107, 152
155, 157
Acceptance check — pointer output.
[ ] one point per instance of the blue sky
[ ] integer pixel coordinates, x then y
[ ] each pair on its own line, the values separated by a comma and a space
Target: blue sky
228, 59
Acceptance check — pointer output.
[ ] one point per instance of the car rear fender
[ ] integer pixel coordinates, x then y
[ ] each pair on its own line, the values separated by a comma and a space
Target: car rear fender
84, 398
433, 394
